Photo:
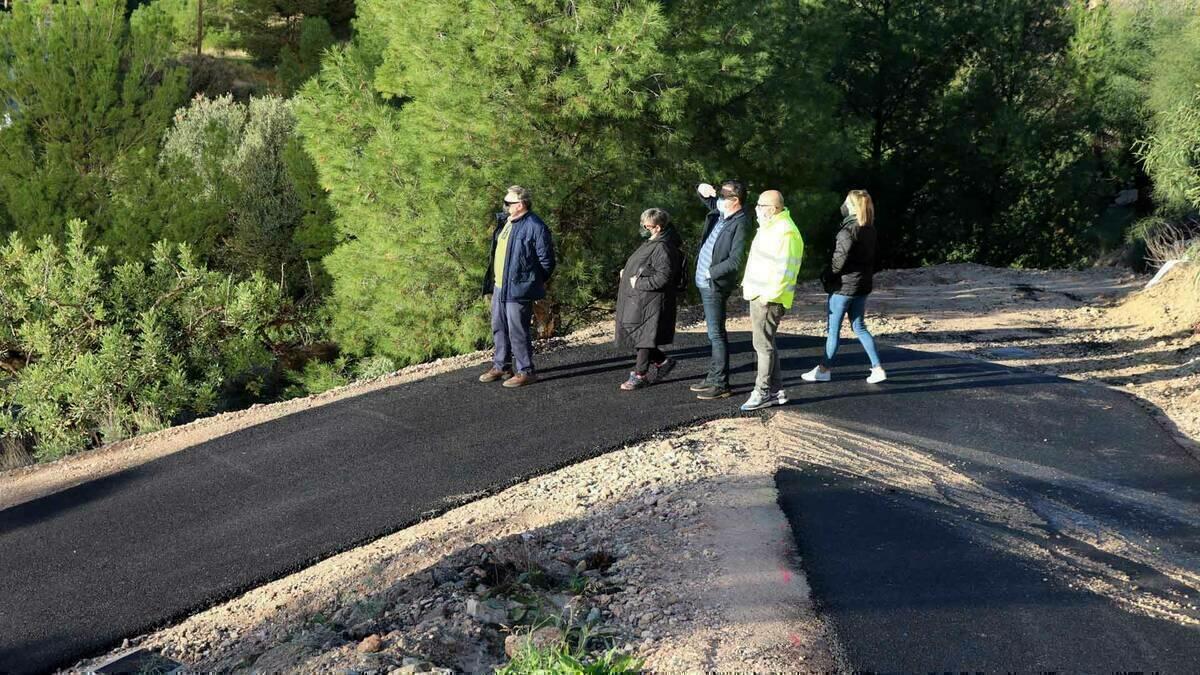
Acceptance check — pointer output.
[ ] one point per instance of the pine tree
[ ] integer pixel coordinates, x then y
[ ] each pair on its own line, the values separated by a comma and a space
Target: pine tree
602, 108
89, 91
298, 63
269, 27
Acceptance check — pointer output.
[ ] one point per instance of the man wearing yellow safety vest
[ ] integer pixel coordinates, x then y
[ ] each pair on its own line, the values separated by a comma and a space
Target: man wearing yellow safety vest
770, 284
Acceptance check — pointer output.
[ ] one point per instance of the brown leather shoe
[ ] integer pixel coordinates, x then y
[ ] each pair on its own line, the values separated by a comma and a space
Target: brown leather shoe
494, 374
520, 380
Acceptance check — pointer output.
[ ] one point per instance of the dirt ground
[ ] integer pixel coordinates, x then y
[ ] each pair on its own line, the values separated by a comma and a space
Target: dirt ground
1095, 325
673, 550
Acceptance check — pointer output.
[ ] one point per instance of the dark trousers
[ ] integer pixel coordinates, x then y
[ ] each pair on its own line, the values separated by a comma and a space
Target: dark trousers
646, 356
511, 334
714, 317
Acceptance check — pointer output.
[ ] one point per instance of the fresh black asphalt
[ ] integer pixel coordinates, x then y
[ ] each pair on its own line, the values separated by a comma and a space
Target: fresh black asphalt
910, 584
86, 567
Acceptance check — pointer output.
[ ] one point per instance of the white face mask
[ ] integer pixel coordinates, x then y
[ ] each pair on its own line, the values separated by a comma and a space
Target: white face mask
723, 207
848, 208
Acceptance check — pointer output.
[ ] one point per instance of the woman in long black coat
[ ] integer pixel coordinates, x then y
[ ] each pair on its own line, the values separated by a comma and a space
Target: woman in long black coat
650, 281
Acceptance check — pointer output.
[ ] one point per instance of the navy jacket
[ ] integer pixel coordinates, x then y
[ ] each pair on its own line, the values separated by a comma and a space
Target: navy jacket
528, 263
729, 251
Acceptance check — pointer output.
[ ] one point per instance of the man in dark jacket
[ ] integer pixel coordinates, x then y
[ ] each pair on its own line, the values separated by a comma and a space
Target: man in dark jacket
718, 274
521, 263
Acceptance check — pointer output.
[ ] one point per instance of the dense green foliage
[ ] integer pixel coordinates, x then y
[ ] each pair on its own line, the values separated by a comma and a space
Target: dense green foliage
592, 104
268, 29
968, 128
1005, 133
253, 177
1172, 150
302, 60
205, 25
94, 93
94, 353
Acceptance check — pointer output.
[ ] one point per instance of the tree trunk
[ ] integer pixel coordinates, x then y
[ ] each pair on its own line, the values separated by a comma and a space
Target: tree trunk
199, 26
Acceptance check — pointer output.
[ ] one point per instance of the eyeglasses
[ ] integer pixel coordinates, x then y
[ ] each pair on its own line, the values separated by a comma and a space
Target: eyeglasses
765, 206
508, 203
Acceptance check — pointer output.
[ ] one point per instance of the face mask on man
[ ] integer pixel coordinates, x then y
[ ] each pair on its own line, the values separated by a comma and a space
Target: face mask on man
723, 206
848, 208
643, 232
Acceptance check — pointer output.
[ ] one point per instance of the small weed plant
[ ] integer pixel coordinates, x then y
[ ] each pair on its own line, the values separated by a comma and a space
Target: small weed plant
559, 659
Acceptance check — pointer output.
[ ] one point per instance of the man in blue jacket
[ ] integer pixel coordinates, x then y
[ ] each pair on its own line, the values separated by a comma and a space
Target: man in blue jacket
521, 263
718, 274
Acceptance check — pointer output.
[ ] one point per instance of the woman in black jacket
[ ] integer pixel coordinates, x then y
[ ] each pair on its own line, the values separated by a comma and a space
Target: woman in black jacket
646, 299
848, 280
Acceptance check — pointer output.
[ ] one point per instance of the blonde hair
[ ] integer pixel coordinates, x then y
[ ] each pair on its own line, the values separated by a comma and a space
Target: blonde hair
864, 207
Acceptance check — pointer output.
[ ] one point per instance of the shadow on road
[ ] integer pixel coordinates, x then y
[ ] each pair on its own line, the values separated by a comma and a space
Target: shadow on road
912, 584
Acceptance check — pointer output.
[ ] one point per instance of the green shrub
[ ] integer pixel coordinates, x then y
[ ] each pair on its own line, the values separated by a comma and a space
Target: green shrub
271, 217
1172, 153
559, 660
317, 377
373, 367
1171, 149
94, 353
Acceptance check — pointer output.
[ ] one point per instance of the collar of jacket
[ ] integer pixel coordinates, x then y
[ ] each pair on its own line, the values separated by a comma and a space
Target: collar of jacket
850, 220
741, 214
784, 217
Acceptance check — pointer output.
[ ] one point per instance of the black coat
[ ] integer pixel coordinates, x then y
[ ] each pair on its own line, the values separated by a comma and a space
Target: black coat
729, 251
852, 270
646, 314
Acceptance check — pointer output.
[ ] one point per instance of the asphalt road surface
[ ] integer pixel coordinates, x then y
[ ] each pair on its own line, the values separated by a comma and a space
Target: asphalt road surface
965, 517
84, 568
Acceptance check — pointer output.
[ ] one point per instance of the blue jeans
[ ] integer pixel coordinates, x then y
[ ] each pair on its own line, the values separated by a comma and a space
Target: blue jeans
511, 334
714, 317
856, 306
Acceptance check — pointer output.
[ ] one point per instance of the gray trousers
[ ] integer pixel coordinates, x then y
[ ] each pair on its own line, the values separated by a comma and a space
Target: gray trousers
511, 334
764, 324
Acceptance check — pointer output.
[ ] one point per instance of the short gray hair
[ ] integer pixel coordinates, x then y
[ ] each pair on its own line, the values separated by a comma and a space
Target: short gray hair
657, 217
523, 194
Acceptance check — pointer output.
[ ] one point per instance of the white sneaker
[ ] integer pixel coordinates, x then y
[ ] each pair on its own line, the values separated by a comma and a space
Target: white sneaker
816, 375
877, 375
757, 401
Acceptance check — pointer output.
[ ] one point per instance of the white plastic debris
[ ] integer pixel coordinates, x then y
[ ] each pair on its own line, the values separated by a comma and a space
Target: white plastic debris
1162, 271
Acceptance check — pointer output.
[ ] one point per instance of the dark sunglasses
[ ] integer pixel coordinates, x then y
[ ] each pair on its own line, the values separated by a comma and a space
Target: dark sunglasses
508, 203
